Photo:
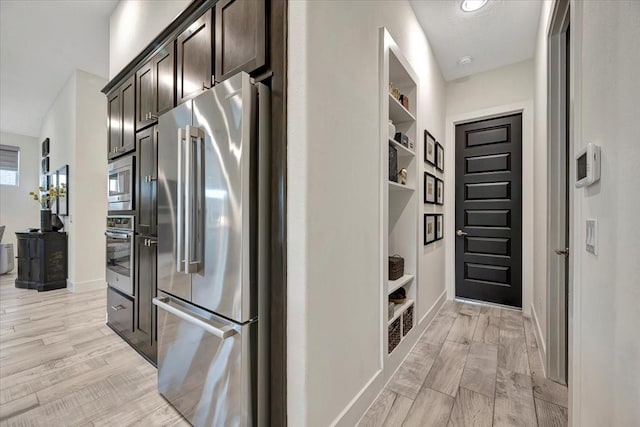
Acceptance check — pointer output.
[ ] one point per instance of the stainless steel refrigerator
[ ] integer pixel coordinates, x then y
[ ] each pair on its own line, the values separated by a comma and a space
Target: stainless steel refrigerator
212, 258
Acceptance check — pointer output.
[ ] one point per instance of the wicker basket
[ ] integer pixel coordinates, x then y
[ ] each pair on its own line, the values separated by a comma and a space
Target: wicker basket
396, 267
395, 334
407, 320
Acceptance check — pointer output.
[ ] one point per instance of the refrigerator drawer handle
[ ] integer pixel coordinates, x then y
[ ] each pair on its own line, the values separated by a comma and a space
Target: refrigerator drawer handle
223, 333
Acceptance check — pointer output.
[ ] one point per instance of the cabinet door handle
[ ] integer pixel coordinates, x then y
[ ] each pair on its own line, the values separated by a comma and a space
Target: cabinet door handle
152, 242
117, 307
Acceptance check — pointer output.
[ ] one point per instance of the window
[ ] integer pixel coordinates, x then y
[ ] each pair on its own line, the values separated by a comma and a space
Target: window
9, 165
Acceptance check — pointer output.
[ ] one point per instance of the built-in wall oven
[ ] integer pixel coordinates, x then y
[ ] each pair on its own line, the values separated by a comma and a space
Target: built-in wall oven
121, 184
120, 242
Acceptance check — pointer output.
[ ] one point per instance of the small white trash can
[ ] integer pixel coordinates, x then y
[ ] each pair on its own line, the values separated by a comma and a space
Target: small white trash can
6, 258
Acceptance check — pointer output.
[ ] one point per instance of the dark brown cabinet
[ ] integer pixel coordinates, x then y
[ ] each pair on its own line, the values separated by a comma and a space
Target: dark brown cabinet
155, 87
42, 261
121, 119
144, 322
194, 58
240, 37
147, 175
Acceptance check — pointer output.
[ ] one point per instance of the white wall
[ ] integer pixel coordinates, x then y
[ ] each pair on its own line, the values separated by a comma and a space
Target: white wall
76, 127
492, 93
18, 211
134, 24
606, 348
334, 295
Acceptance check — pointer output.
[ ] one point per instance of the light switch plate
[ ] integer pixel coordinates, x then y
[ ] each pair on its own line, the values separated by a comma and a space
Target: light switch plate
591, 239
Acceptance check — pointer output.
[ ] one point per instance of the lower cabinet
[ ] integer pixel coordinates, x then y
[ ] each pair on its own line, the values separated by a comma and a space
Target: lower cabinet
120, 313
42, 260
144, 322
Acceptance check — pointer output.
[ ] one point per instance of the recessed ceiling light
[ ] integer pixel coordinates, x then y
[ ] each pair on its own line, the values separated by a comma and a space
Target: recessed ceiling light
472, 5
465, 60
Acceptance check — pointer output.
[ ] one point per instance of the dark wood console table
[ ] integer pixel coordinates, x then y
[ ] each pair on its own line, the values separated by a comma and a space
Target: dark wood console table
42, 260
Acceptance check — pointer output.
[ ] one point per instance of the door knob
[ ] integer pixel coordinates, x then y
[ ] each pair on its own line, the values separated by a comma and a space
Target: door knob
564, 252
461, 233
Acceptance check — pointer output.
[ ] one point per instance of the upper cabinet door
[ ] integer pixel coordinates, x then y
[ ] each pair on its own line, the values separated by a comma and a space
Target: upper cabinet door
164, 71
240, 37
194, 47
128, 96
147, 171
114, 136
144, 100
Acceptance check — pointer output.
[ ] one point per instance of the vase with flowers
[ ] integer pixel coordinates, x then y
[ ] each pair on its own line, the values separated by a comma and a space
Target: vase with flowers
46, 197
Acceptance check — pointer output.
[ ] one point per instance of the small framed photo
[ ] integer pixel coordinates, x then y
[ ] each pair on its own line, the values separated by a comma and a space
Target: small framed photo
429, 148
439, 191
429, 188
439, 157
439, 227
45, 147
45, 165
430, 228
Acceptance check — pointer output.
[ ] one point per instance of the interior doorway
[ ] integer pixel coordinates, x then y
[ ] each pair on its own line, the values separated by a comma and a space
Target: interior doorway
559, 232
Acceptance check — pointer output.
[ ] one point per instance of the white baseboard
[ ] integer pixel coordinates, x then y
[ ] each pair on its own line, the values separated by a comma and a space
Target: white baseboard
359, 405
89, 285
542, 346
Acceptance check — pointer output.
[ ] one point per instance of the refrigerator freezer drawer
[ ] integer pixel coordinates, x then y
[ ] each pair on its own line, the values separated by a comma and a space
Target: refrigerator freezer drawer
206, 365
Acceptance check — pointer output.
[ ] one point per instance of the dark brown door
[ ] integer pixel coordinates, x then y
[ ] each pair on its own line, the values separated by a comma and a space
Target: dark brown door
164, 71
240, 37
144, 100
114, 139
128, 96
147, 174
195, 57
145, 283
489, 210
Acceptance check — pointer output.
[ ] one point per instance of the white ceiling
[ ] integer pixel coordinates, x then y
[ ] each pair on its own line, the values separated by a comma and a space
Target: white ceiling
501, 33
41, 43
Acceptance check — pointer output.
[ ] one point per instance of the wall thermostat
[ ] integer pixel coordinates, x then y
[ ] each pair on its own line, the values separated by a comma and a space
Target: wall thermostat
588, 166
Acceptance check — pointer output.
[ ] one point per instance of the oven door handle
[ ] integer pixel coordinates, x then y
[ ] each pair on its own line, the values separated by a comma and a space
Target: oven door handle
121, 236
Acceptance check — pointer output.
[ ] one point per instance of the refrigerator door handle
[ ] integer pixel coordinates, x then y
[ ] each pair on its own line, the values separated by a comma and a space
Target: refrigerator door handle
164, 304
193, 199
180, 210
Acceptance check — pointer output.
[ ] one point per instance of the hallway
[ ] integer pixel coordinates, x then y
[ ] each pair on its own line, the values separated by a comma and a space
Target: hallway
474, 366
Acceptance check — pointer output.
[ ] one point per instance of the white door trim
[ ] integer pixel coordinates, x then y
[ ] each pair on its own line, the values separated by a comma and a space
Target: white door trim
526, 108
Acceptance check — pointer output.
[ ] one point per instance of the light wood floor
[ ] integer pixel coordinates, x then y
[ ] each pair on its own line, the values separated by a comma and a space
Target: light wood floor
474, 366
60, 365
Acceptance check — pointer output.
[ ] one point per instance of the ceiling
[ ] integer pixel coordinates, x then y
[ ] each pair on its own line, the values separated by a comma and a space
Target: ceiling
41, 43
503, 32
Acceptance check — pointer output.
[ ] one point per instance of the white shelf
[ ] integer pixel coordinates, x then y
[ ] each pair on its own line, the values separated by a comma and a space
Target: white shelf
399, 309
402, 150
394, 186
398, 283
397, 112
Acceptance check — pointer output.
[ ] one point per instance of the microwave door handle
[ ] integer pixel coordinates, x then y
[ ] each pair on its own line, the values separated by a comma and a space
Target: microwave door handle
180, 214
121, 236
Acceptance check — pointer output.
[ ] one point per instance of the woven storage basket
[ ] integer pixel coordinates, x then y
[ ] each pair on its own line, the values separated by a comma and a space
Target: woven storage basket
407, 320
395, 335
396, 267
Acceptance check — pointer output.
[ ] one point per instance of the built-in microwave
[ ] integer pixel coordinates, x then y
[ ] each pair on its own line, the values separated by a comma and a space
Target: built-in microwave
121, 184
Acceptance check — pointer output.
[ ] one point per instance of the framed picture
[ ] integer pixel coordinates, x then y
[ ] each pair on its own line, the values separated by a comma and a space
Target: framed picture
62, 176
439, 191
45, 147
430, 228
439, 157
53, 180
45, 165
429, 148
439, 227
429, 188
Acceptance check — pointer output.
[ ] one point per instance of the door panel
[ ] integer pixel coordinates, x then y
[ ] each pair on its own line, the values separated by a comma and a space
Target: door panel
115, 123
195, 58
128, 116
489, 210
147, 181
145, 292
145, 90
165, 77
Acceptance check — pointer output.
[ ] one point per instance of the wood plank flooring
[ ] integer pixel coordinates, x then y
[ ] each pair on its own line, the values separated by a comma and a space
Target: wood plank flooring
475, 365
60, 365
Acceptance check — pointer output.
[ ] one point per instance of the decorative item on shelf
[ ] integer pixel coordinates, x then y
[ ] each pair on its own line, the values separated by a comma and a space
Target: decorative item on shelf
402, 139
429, 188
394, 92
45, 197
394, 332
396, 267
439, 191
391, 311
429, 148
404, 100
407, 320
429, 228
412, 146
393, 163
399, 296
439, 157
402, 176
392, 129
